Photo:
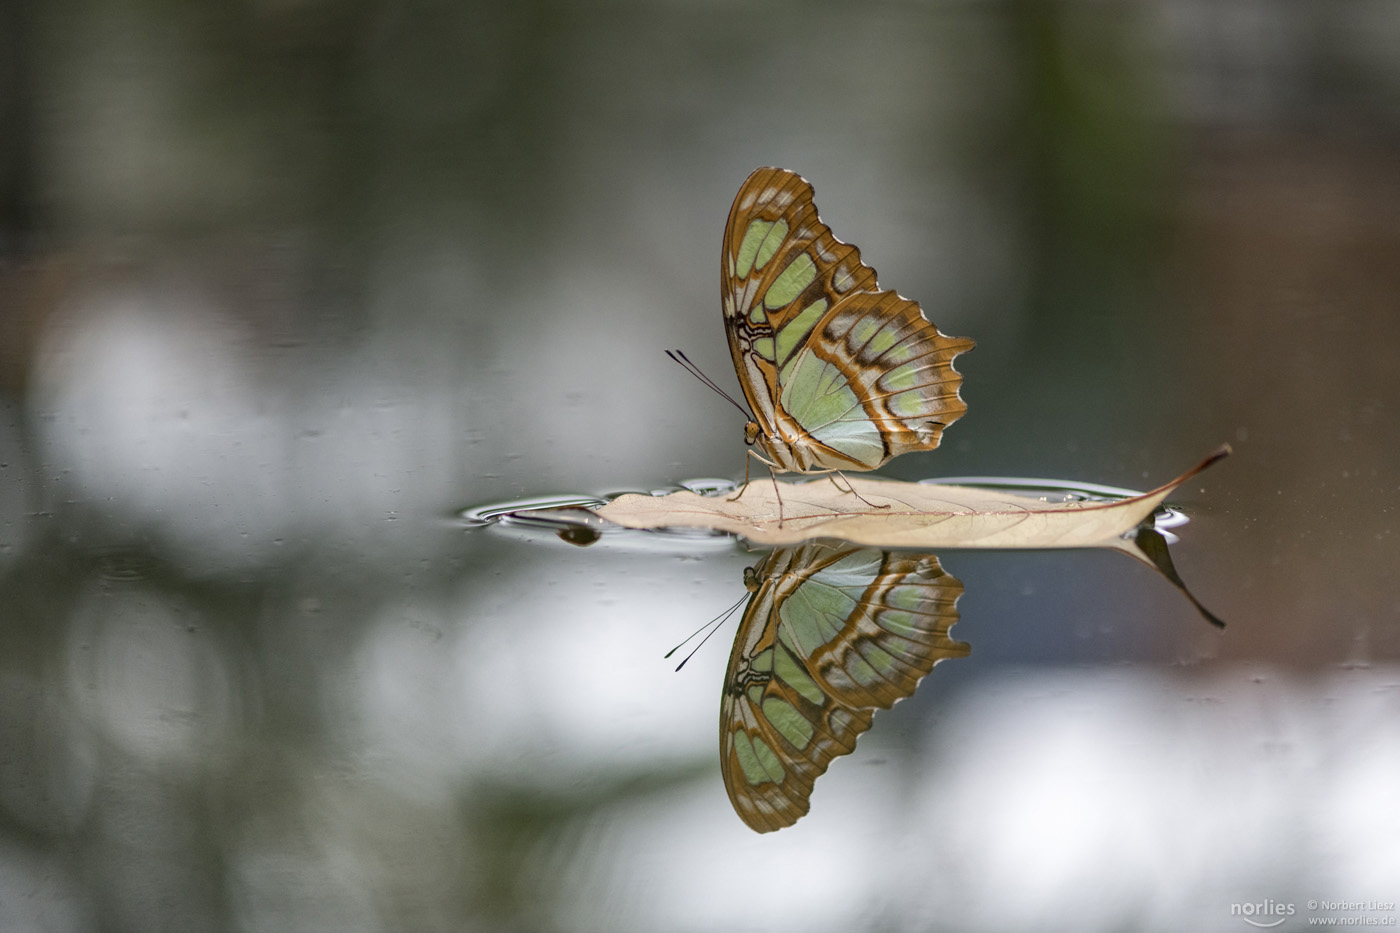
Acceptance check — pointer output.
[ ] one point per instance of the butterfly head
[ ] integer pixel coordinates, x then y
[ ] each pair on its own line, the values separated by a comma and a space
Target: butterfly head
776, 448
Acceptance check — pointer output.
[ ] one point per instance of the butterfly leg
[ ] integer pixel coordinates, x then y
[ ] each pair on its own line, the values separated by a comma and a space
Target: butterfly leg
852, 489
771, 472
777, 494
735, 497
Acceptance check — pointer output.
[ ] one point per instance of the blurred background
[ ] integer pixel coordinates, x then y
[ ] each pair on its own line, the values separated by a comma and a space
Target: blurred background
285, 284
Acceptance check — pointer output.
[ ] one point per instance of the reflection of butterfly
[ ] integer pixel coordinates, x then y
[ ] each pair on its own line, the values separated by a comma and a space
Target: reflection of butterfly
840, 375
829, 635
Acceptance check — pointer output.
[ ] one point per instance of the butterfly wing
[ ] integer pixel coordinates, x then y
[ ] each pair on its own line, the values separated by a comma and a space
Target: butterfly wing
839, 374
829, 636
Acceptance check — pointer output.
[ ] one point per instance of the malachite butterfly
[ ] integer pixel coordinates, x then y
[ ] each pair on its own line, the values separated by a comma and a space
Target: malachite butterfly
829, 635
839, 374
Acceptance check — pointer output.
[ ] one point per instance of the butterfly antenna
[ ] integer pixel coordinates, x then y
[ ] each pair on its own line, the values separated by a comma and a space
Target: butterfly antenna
713, 625
695, 371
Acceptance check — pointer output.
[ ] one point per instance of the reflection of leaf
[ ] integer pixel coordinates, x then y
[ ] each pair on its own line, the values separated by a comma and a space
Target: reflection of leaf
918, 515
1150, 547
830, 635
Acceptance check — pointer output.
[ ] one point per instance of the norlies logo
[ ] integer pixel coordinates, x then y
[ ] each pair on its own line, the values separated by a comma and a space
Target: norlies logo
1265, 914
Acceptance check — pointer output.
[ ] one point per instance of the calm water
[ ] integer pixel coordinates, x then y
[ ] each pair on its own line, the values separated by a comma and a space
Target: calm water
285, 287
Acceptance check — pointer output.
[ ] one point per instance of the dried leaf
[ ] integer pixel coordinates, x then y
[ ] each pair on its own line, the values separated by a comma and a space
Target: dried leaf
901, 515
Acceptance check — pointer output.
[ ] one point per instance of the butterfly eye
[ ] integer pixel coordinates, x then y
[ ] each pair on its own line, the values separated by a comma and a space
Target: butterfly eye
751, 433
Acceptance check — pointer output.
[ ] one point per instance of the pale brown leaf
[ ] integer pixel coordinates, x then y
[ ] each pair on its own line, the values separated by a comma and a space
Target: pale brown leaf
917, 515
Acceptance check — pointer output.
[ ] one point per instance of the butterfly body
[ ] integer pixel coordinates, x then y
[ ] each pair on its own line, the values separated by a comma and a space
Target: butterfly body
840, 374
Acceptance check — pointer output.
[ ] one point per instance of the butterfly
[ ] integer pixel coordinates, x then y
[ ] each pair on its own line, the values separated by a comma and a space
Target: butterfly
839, 374
829, 635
